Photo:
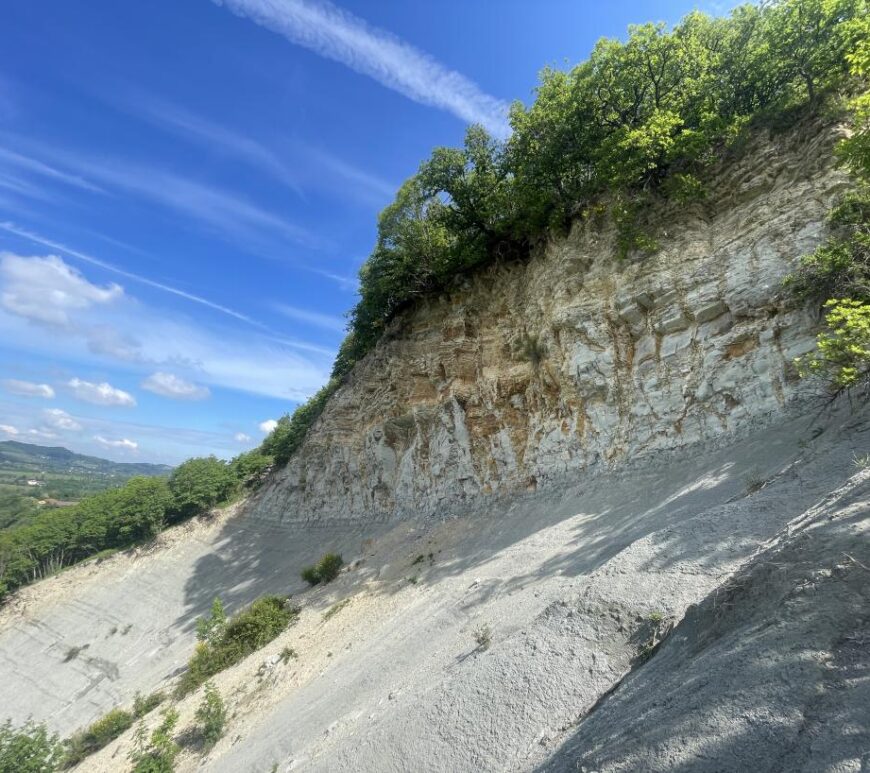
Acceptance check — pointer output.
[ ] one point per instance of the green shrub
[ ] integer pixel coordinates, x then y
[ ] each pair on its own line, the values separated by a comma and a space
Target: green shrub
144, 704
250, 468
156, 753
839, 267
211, 716
324, 571
211, 627
244, 633
99, 734
842, 355
28, 749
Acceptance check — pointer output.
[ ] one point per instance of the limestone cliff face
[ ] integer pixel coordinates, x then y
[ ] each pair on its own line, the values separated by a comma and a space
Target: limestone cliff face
530, 372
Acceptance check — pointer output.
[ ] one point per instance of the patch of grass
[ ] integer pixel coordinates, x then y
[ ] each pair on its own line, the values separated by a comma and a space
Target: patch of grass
244, 633
753, 482
419, 559
862, 462
413, 579
324, 571
656, 629
483, 636
335, 609
287, 654
101, 733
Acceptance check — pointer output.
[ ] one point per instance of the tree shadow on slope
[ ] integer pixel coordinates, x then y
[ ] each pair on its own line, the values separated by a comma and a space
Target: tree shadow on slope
596, 517
771, 674
600, 515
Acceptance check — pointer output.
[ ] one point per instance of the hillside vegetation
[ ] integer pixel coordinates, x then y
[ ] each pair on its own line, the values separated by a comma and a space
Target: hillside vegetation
640, 120
120, 517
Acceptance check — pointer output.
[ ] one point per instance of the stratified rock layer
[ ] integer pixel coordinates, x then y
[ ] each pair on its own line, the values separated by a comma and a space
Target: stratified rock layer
529, 372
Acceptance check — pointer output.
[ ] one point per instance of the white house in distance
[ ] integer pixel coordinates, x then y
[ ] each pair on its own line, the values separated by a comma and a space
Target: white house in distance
34, 483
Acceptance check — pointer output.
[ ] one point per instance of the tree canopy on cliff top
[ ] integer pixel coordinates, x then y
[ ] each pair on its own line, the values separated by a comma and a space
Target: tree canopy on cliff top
640, 118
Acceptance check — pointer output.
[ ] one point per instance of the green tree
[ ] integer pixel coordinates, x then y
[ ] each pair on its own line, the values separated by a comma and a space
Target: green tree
200, 484
250, 467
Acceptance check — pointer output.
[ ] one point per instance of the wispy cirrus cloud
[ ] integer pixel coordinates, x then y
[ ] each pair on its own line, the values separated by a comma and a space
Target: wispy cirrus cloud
223, 211
225, 141
326, 321
35, 166
337, 34
46, 242
298, 166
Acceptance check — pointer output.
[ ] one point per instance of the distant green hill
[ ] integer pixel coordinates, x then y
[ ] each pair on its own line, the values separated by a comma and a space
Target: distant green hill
35, 477
28, 457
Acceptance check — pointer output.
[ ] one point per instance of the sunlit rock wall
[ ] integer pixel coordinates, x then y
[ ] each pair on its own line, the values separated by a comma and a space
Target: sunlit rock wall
529, 372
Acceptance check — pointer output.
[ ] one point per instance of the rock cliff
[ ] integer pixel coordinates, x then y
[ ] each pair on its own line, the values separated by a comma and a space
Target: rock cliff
532, 371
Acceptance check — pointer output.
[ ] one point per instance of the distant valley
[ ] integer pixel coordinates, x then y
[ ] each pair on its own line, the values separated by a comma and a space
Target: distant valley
34, 477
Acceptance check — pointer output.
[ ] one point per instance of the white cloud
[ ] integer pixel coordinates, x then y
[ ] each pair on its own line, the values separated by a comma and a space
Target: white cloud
174, 387
337, 34
241, 437
28, 389
47, 290
268, 425
100, 394
61, 419
12, 228
42, 434
124, 444
8, 429
147, 338
326, 321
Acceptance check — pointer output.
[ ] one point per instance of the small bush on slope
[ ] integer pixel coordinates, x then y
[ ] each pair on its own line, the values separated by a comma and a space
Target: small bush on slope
210, 628
324, 571
99, 734
244, 633
211, 716
144, 704
28, 749
156, 753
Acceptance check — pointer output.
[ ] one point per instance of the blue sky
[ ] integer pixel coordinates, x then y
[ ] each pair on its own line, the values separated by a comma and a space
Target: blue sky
187, 190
